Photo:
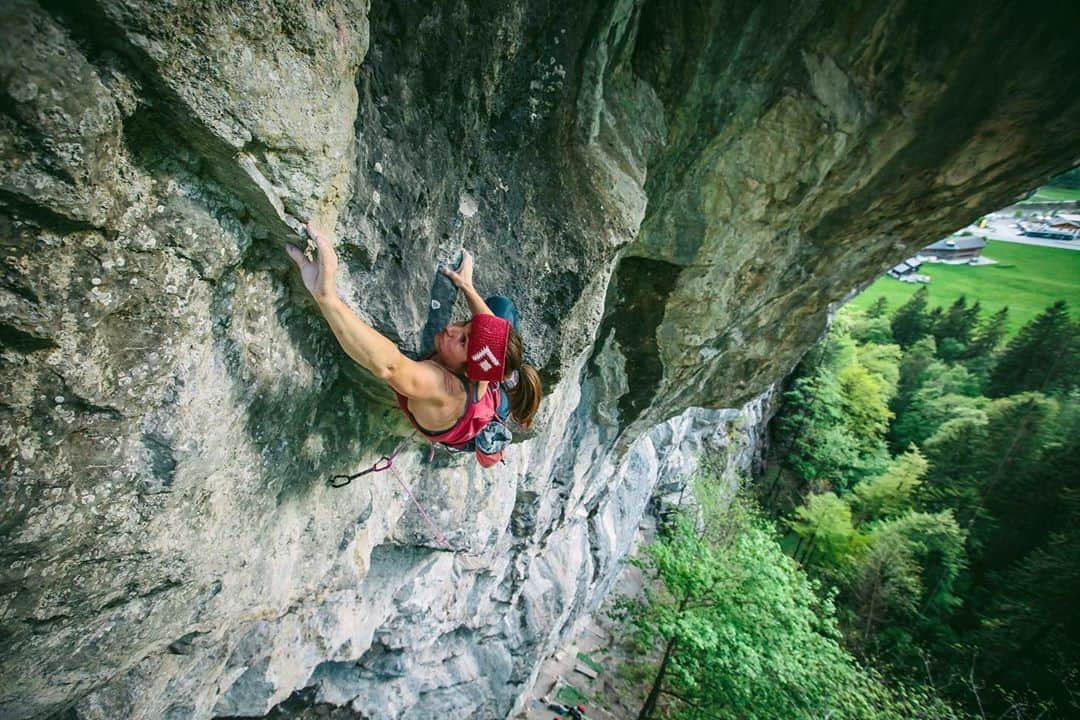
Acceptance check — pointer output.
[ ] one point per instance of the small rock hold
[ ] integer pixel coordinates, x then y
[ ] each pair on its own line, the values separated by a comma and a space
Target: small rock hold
468, 206
59, 399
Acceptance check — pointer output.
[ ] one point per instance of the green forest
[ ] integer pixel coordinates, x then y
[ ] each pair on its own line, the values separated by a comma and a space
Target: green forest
908, 550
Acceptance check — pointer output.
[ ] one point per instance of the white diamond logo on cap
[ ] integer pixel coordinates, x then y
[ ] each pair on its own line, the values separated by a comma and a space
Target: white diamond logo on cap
485, 358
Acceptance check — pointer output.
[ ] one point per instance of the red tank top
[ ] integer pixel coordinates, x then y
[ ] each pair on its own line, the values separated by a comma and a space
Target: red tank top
478, 413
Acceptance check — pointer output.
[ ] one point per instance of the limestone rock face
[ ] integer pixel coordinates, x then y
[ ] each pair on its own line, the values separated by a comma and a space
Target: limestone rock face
675, 194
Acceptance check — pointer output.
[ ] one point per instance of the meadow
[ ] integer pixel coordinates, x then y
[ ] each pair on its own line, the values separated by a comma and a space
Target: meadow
1049, 193
1026, 278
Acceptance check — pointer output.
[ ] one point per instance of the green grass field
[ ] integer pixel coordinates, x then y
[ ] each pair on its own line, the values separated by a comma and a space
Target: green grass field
1048, 193
1027, 278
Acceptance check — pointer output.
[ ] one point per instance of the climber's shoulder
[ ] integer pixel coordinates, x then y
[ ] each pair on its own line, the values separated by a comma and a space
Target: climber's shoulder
424, 380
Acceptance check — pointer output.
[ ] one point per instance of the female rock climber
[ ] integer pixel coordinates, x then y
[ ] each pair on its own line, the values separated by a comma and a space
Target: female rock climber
453, 395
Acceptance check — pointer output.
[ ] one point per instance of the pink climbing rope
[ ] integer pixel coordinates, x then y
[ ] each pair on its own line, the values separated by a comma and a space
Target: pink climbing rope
420, 507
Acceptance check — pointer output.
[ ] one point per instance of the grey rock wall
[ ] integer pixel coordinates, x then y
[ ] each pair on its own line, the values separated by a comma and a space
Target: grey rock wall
674, 193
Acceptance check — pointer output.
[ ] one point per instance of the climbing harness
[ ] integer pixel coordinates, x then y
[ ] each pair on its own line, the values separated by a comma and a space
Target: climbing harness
386, 462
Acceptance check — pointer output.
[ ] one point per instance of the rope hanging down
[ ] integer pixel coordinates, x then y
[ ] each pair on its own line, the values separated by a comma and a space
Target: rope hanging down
386, 462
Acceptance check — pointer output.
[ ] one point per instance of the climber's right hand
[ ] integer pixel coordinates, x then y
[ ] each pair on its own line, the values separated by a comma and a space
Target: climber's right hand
320, 274
462, 279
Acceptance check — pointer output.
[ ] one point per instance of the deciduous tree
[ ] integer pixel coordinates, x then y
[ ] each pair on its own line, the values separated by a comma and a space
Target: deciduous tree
741, 633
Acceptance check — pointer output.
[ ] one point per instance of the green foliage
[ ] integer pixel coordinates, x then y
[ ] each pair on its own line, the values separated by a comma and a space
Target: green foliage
864, 402
810, 427
835, 414
1029, 631
912, 322
977, 459
824, 523
866, 328
914, 364
946, 392
883, 362
953, 329
962, 546
1044, 356
878, 309
890, 494
895, 565
904, 579
988, 335
743, 633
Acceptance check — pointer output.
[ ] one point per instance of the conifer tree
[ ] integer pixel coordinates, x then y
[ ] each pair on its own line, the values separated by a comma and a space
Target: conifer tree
911, 320
914, 364
948, 392
953, 329
878, 309
988, 334
1042, 356
952, 322
988, 465
1029, 633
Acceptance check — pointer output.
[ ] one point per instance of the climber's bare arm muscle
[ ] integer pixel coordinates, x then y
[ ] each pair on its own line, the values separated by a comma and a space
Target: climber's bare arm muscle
477, 306
368, 347
360, 341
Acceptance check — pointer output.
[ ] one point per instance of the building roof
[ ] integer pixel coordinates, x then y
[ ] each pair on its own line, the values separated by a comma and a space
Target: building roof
954, 243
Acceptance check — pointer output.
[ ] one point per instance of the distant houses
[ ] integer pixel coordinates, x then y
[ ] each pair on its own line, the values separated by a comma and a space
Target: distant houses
1052, 229
954, 247
907, 271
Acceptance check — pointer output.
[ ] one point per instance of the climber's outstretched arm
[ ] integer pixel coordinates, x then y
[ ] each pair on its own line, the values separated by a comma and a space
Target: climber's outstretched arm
363, 343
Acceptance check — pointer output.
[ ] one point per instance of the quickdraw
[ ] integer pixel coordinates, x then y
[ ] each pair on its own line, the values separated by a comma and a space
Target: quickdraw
386, 462
383, 463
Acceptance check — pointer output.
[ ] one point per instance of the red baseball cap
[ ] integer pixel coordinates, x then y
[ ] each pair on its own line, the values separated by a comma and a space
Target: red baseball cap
487, 348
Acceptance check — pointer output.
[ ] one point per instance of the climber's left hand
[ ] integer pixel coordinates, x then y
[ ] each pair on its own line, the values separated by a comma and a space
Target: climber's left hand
462, 279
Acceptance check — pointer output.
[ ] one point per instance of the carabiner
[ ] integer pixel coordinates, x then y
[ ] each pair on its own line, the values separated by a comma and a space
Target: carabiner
381, 464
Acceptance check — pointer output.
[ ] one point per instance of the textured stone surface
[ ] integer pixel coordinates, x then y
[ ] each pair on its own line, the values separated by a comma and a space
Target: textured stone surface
674, 193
